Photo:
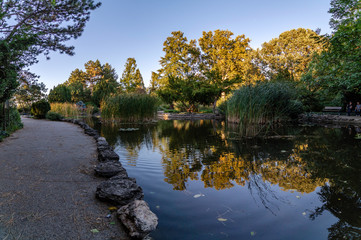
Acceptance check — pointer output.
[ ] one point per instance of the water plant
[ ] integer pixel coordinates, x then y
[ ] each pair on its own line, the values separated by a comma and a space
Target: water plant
129, 107
261, 105
68, 110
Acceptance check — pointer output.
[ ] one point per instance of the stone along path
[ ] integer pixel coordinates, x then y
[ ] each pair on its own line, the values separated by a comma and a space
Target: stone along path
47, 188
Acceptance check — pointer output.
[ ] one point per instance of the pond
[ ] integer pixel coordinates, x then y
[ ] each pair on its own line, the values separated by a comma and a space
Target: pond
204, 182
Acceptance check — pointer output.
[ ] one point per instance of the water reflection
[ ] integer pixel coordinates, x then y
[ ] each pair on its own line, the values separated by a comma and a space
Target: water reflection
296, 159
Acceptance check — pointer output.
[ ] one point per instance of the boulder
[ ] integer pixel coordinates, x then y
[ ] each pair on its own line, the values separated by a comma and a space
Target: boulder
107, 155
119, 191
109, 169
138, 219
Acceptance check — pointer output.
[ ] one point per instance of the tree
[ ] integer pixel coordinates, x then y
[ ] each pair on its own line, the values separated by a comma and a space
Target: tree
106, 85
181, 58
131, 78
60, 93
29, 28
337, 69
288, 55
30, 90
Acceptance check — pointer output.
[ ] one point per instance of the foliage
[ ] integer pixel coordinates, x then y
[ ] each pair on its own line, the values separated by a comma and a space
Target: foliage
47, 23
68, 110
29, 90
60, 93
29, 28
106, 85
8, 72
79, 92
129, 107
40, 108
13, 124
54, 116
262, 104
337, 69
287, 56
202, 73
131, 79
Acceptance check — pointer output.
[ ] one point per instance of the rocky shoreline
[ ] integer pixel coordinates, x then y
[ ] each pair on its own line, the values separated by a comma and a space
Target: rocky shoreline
119, 189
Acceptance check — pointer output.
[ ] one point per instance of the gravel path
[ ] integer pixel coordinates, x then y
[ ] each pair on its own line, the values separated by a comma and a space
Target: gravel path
47, 187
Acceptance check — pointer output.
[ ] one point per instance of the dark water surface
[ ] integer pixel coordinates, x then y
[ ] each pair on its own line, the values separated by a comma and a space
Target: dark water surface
203, 182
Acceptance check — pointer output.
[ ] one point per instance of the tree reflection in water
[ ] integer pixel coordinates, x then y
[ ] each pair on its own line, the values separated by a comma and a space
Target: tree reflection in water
209, 152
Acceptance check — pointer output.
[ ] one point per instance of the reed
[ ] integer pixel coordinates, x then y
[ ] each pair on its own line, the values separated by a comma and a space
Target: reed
129, 108
262, 104
68, 110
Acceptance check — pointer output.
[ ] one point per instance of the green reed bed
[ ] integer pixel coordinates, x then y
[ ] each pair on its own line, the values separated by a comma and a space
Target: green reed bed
68, 110
262, 104
129, 108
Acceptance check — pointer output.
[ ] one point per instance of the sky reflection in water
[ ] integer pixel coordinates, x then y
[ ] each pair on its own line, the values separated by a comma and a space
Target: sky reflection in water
204, 182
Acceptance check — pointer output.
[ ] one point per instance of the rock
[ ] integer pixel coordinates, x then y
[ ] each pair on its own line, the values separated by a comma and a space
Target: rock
138, 218
119, 190
91, 132
109, 169
107, 155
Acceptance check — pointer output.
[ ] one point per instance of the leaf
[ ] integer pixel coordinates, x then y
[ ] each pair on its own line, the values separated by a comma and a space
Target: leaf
199, 195
94, 230
112, 208
298, 197
222, 219
112, 223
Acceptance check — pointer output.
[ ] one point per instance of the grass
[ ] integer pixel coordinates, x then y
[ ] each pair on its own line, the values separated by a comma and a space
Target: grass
68, 110
129, 108
262, 104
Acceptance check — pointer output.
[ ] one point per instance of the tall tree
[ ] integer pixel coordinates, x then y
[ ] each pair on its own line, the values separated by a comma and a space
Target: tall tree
31, 27
60, 93
180, 59
94, 73
337, 68
288, 55
106, 85
132, 79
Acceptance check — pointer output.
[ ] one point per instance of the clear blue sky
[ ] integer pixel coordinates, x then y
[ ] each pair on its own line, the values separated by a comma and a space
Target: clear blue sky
137, 28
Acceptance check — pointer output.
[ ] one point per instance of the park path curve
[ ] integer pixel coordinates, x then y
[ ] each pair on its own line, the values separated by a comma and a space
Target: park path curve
47, 187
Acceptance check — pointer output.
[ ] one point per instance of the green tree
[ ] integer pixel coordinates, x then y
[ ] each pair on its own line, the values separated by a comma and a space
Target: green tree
29, 28
106, 85
29, 90
131, 79
60, 93
288, 56
336, 70
180, 59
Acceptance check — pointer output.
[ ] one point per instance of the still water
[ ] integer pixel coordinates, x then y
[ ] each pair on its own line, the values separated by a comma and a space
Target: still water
204, 182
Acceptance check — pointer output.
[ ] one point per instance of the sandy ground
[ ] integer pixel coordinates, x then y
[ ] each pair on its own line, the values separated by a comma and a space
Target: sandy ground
47, 187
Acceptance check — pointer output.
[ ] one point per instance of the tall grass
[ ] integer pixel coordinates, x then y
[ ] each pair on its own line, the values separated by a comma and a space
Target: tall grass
129, 108
68, 110
262, 104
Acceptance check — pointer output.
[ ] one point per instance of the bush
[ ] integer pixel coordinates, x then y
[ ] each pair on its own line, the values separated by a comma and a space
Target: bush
263, 103
54, 116
40, 108
129, 107
13, 124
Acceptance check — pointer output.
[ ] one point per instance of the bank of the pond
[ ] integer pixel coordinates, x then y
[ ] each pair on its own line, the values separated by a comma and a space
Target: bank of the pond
189, 116
323, 119
47, 185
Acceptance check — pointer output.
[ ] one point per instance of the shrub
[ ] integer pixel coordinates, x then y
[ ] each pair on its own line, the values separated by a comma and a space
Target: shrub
40, 108
129, 107
54, 116
14, 123
263, 104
